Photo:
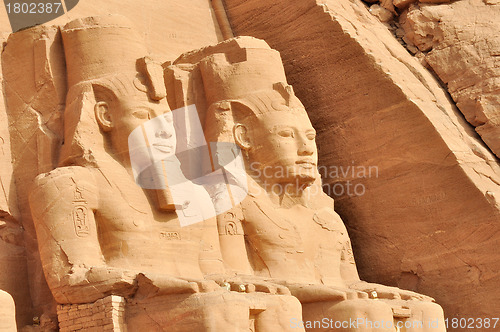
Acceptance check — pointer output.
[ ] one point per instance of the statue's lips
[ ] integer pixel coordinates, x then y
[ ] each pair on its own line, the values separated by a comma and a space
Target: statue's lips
306, 163
163, 147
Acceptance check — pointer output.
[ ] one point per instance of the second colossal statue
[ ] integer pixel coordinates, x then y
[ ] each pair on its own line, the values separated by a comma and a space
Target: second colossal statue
287, 226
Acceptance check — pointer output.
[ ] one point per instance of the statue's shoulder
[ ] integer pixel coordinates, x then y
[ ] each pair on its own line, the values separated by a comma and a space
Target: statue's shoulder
68, 174
65, 185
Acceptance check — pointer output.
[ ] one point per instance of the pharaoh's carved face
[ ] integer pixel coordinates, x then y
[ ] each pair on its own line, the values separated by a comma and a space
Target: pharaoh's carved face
283, 148
128, 113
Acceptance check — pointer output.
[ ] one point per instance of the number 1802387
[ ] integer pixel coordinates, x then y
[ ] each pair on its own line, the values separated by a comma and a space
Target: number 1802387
471, 323
33, 8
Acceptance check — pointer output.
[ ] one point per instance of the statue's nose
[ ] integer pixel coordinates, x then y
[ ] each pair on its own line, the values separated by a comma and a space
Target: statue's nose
306, 147
305, 150
163, 134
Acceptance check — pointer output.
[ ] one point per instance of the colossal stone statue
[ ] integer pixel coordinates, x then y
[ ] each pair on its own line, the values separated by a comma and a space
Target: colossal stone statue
100, 234
287, 226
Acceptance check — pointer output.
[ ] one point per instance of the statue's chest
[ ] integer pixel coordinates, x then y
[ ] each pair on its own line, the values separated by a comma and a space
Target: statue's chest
295, 230
126, 211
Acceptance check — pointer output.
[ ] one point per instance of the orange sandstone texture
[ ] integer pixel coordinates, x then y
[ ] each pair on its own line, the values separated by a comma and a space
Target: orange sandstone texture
428, 220
169, 27
13, 271
461, 43
33, 87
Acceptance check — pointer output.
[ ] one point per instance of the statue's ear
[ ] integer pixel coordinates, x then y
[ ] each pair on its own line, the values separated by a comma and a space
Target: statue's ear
102, 115
240, 133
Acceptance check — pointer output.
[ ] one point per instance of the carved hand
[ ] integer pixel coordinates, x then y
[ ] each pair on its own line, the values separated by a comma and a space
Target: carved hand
250, 284
109, 280
151, 284
94, 283
319, 293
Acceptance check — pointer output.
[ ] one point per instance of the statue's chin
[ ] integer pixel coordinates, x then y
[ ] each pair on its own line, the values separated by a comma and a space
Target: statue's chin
305, 180
301, 180
295, 178
304, 177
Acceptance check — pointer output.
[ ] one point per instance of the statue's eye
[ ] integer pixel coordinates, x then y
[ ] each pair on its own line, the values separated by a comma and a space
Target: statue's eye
311, 136
143, 114
286, 133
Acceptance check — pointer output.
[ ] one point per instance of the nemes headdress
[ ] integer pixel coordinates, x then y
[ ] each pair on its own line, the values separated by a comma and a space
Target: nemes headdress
255, 74
243, 77
102, 52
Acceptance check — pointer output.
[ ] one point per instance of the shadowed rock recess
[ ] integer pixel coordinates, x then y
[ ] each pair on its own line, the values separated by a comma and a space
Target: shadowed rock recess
245, 165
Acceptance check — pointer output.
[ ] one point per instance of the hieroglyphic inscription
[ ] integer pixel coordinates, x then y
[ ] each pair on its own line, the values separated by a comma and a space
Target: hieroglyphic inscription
231, 228
80, 214
170, 236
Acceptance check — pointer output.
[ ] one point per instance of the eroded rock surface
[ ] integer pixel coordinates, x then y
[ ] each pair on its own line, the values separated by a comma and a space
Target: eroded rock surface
13, 274
461, 44
433, 205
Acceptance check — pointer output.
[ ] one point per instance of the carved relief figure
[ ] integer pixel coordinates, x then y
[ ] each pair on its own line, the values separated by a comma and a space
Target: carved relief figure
99, 233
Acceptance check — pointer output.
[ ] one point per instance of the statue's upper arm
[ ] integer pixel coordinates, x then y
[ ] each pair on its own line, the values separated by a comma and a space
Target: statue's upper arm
62, 204
232, 241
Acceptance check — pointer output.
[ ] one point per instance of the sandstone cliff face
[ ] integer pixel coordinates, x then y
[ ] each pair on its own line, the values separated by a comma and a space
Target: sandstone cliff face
461, 43
428, 220
13, 274
169, 27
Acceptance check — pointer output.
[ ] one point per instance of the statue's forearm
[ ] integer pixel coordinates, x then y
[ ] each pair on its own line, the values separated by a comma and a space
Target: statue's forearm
84, 285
